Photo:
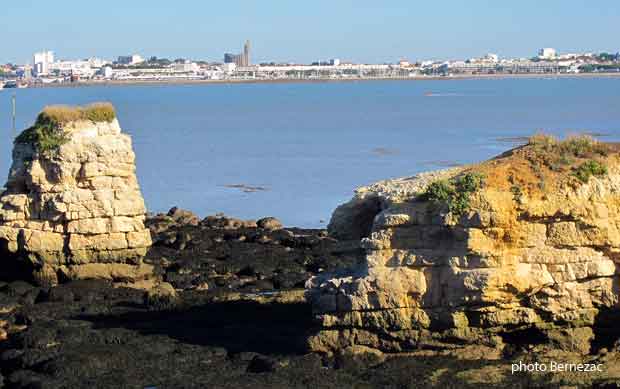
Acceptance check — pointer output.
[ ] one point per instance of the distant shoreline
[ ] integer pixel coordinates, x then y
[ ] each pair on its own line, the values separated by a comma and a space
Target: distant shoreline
322, 80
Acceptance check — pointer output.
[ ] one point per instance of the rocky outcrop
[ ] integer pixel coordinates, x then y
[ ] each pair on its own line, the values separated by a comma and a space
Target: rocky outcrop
72, 204
533, 258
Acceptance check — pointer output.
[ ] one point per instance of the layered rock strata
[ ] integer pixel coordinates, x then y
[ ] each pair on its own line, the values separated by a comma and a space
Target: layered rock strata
77, 211
533, 259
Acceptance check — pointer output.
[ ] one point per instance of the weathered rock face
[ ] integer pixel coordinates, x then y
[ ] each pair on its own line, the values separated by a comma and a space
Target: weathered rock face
521, 260
77, 212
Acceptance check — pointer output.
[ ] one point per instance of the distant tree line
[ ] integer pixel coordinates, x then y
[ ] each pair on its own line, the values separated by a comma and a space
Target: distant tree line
161, 62
156, 63
593, 68
607, 57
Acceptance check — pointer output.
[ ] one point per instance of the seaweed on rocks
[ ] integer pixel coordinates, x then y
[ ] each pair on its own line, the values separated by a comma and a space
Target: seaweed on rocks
220, 254
239, 290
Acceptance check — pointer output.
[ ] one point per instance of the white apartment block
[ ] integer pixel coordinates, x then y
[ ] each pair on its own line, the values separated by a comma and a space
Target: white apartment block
547, 53
81, 68
42, 62
186, 67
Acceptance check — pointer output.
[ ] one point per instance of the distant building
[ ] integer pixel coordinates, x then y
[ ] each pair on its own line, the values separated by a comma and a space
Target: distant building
27, 75
130, 59
242, 59
42, 63
488, 67
246, 54
533, 67
232, 58
95, 62
334, 62
492, 57
547, 53
69, 68
186, 66
107, 72
229, 67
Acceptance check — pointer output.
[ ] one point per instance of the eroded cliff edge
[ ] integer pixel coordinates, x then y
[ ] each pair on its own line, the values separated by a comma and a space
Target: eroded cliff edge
521, 248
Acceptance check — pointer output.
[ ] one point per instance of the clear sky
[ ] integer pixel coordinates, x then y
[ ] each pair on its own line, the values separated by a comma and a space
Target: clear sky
304, 31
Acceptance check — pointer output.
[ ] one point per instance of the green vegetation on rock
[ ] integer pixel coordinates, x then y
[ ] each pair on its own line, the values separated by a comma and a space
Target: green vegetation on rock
557, 154
454, 193
589, 169
578, 156
47, 133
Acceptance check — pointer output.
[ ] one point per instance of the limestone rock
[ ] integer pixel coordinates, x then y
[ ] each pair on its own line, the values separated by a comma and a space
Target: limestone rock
572, 339
76, 206
359, 357
269, 223
519, 258
182, 216
161, 296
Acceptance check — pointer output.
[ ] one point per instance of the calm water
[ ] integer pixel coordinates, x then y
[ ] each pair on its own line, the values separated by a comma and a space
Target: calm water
310, 145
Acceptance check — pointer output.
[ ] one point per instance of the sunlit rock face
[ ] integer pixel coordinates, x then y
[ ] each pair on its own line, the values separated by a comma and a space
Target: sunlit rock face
76, 212
534, 255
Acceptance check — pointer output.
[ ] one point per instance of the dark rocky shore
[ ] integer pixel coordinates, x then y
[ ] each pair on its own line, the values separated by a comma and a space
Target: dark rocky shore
239, 321
220, 254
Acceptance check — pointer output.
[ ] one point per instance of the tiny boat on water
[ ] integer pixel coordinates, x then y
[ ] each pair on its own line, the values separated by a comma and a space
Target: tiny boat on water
10, 84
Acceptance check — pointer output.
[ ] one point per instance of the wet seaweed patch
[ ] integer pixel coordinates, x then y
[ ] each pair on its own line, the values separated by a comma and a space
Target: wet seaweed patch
596, 134
247, 188
444, 94
442, 163
514, 140
384, 151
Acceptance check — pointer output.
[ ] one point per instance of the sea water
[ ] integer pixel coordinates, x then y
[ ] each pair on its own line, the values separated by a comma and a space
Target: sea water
297, 150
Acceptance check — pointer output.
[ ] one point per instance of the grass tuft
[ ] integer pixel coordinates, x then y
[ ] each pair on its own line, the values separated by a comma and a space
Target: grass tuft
564, 151
582, 146
543, 142
560, 155
99, 112
47, 133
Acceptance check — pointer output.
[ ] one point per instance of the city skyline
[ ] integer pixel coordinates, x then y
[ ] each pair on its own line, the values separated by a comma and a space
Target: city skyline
360, 31
243, 58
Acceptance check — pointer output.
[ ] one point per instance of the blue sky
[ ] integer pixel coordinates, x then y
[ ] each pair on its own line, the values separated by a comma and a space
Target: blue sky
281, 30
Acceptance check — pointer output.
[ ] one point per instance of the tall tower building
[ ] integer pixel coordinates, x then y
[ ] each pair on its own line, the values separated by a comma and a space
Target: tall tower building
246, 53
